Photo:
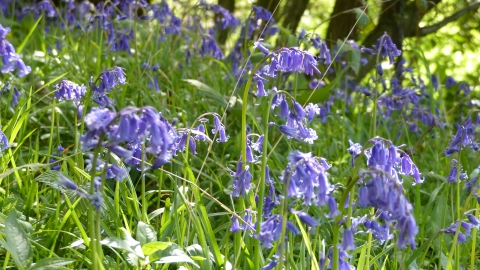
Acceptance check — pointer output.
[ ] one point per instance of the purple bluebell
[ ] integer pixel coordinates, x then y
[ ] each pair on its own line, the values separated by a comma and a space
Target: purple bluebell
241, 184
379, 232
154, 85
210, 47
116, 172
385, 47
302, 34
109, 79
289, 131
305, 218
473, 220
263, 49
270, 265
220, 128
316, 84
464, 137
270, 230
312, 110
67, 90
354, 150
434, 80
235, 227
348, 242
226, 20
452, 176
96, 200
10, 59
260, 86
449, 82
67, 183
380, 70
45, 7
459, 225
122, 41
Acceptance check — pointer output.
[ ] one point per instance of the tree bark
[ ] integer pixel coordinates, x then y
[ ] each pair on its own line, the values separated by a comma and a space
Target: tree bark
342, 20
293, 12
230, 6
271, 5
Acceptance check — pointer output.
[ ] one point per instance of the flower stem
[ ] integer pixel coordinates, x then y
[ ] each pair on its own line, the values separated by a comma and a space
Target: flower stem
261, 185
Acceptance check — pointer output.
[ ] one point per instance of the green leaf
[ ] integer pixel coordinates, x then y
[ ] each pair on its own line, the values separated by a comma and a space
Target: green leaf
208, 91
321, 94
17, 241
145, 233
51, 264
32, 29
153, 247
126, 245
174, 254
361, 17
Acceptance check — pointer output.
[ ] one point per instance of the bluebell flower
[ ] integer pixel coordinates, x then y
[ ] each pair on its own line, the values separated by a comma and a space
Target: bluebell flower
260, 86
10, 59
348, 242
226, 20
305, 218
235, 227
67, 90
271, 230
210, 47
354, 150
45, 6
449, 82
452, 176
289, 131
462, 236
220, 128
464, 137
385, 47
379, 232
312, 110
109, 79
154, 85
96, 200
67, 183
434, 80
241, 184
263, 49
122, 41
116, 172
270, 265
473, 220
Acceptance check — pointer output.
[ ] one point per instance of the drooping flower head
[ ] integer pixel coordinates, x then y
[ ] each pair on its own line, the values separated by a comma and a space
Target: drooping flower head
67, 90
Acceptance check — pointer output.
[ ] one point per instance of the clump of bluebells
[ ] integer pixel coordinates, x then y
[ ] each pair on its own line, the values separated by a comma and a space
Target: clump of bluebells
10, 59
3, 142
381, 188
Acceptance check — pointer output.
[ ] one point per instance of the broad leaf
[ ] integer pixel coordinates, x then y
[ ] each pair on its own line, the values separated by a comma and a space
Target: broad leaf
153, 247
123, 245
145, 233
208, 91
51, 264
17, 240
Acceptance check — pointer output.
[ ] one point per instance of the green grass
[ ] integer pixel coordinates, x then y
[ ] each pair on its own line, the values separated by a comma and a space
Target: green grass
179, 215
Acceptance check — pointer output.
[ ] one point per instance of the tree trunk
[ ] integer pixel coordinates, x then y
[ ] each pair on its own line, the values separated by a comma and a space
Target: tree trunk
293, 12
270, 5
398, 20
230, 6
343, 19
